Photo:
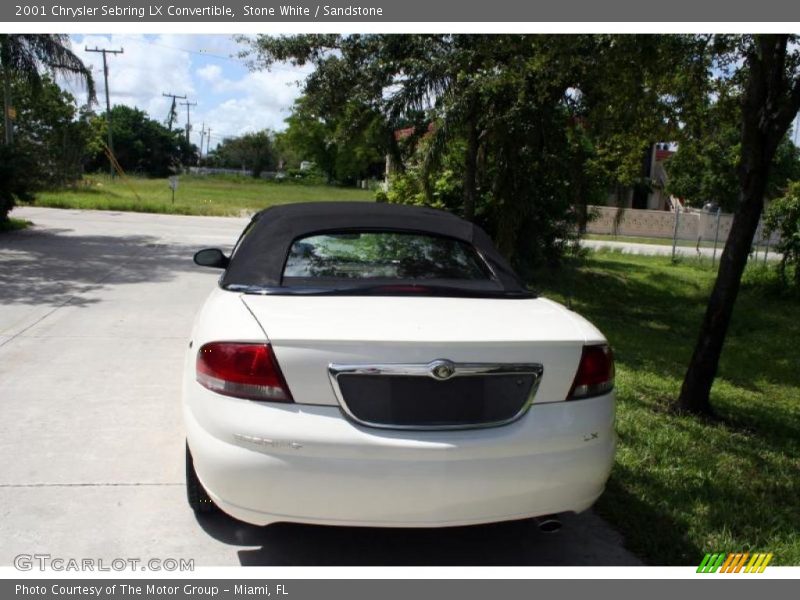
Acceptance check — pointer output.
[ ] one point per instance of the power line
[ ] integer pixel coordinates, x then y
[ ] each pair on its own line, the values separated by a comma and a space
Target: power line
233, 59
188, 51
105, 52
273, 67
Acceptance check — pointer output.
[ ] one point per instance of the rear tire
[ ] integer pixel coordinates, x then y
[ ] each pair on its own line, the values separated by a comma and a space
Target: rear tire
196, 494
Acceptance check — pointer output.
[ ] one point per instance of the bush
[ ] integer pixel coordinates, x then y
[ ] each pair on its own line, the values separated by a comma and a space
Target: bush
307, 176
406, 188
783, 216
15, 167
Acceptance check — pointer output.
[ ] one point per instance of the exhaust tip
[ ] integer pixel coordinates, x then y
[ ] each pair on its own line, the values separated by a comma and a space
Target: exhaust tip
548, 523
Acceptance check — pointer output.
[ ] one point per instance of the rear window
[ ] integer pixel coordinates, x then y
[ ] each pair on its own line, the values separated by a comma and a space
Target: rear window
383, 255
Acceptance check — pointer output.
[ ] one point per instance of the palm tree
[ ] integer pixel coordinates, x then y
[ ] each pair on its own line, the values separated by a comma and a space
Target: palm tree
441, 77
27, 56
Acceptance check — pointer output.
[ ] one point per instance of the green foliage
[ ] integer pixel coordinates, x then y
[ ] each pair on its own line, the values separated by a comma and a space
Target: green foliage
14, 225
683, 486
418, 186
28, 56
517, 132
14, 183
287, 154
785, 168
704, 169
345, 144
783, 216
43, 112
630, 93
50, 126
312, 176
141, 145
252, 151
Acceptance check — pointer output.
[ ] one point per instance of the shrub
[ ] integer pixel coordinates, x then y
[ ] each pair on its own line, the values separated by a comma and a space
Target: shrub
783, 216
15, 167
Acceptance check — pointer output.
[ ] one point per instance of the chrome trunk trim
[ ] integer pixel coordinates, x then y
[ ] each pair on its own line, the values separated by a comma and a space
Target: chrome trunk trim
434, 370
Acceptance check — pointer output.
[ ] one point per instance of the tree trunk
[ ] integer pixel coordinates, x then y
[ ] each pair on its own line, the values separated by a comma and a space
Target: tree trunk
394, 157
581, 204
471, 170
769, 105
696, 389
8, 126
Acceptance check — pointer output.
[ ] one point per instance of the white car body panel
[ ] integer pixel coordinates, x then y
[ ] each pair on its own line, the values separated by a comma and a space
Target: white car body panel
309, 333
308, 464
264, 462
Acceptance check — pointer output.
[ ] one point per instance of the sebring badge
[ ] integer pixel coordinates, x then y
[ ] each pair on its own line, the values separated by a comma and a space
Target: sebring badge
266, 442
442, 369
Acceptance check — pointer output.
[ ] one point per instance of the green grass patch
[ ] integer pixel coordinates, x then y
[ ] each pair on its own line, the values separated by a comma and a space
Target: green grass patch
196, 195
11, 224
683, 486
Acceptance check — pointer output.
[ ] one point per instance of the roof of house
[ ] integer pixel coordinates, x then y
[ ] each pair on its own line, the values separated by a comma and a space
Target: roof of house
662, 155
407, 132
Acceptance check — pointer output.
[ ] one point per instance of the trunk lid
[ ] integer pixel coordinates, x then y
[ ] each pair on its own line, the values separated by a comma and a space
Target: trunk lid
309, 333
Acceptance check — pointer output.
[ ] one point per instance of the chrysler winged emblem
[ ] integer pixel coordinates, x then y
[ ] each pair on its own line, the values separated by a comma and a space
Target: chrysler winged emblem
442, 369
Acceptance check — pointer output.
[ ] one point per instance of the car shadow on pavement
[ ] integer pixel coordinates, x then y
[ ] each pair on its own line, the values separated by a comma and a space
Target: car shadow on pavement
584, 539
51, 266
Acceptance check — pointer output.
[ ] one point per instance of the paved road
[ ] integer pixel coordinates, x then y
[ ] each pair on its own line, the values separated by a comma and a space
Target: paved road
95, 310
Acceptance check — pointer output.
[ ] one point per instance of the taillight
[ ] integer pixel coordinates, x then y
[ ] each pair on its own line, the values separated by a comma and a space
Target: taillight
242, 370
595, 374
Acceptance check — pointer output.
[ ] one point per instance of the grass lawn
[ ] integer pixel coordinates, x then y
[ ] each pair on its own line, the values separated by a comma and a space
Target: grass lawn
196, 195
683, 486
14, 224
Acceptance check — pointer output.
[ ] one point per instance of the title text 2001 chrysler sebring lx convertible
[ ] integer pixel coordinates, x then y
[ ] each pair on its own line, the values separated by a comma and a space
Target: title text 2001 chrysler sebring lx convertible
377, 364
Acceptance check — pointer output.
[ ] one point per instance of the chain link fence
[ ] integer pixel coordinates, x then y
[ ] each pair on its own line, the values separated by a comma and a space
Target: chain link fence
705, 228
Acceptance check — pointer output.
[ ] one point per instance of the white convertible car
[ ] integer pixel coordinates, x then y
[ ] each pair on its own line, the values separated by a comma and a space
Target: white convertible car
377, 364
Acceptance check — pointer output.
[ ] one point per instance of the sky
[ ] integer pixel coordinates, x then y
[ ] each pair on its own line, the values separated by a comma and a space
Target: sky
231, 99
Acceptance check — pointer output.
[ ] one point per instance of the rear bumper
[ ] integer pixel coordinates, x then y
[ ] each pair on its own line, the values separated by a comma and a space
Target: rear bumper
264, 463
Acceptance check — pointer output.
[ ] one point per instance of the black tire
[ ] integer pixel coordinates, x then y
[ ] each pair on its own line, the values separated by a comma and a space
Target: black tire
196, 494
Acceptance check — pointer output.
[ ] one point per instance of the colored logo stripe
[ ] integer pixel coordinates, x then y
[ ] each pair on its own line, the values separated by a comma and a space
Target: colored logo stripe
734, 562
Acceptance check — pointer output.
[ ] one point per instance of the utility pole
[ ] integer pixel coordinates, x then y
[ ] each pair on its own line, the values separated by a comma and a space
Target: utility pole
106, 52
187, 104
202, 135
172, 108
208, 140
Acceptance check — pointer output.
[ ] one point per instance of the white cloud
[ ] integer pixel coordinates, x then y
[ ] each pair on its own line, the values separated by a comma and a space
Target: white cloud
210, 73
140, 75
257, 100
230, 99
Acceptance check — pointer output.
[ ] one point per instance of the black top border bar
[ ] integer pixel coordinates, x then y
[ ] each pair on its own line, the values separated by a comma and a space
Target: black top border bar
387, 11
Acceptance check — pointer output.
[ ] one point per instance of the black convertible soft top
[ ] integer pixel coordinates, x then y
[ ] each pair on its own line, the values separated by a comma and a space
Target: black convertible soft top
260, 255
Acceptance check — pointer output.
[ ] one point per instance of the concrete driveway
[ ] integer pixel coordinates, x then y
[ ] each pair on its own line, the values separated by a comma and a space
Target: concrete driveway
95, 312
